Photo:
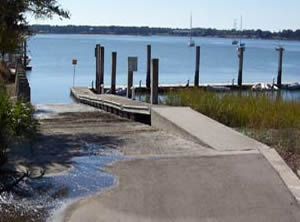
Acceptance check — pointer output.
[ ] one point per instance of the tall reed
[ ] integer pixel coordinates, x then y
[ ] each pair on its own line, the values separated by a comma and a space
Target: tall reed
249, 110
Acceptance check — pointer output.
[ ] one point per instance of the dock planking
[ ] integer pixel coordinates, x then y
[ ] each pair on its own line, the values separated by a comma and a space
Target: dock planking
118, 105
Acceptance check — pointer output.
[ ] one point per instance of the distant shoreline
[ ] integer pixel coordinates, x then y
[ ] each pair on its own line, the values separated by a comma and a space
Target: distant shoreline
287, 35
53, 33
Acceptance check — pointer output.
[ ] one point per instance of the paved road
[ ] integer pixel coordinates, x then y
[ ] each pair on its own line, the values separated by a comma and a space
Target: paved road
240, 188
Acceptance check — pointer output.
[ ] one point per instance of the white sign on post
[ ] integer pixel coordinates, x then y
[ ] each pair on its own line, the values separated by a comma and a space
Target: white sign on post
132, 64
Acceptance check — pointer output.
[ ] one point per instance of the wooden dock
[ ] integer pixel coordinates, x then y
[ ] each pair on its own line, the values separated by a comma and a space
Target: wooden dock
118, 105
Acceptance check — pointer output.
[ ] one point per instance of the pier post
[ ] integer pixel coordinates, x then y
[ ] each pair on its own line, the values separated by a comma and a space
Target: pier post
129, 84
241, 51
279, 76
113, 72
101, 79
196, 81
98, 67
148, 77
154, 81
133, 92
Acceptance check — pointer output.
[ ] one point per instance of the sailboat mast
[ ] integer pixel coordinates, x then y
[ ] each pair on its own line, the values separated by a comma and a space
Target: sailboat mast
191, 27
241, 29
191, 42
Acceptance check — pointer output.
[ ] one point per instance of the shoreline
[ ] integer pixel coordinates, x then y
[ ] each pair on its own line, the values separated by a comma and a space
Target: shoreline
137, 35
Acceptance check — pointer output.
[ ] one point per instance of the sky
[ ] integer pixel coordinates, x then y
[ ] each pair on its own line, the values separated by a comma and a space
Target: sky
273, 15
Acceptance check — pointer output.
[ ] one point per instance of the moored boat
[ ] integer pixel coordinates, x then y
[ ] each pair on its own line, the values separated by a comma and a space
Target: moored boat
294, 86
191, 42
263, 87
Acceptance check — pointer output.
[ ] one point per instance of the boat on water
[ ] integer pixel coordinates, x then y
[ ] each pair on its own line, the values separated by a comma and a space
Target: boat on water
264, 87
293, 86
191, 42
25, 58
241, 44
235, 41
218, 88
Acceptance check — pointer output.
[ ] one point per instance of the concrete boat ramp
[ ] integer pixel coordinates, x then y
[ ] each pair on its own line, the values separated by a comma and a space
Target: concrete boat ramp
187, 167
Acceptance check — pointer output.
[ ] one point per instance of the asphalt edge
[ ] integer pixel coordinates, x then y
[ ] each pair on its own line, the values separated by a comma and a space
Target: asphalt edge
161, 122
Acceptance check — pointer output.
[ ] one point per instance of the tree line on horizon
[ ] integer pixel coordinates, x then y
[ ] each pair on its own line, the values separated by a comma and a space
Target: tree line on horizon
147, 31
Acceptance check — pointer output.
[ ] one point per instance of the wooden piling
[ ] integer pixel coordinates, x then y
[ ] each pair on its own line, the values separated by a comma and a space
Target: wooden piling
113, 72
148, 77
98, 67
241, 51
197, 68
129, 84
101, 79
280, 55
154, 81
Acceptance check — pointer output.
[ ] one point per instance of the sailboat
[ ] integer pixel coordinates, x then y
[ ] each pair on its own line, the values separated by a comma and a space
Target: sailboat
234, 41
191, 42
241, 29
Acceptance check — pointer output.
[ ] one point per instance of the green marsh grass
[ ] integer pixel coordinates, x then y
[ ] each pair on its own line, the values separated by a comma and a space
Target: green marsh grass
247, 110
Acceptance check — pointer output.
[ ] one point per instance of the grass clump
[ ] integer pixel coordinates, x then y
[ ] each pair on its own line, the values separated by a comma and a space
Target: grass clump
251, 110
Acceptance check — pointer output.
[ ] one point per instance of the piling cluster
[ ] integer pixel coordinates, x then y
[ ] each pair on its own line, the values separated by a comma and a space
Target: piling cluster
152, 71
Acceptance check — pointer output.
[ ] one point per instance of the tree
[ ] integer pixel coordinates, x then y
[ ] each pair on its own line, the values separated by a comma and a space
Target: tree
13, 23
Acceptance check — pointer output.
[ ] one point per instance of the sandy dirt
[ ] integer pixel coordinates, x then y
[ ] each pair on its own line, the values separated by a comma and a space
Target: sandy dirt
65, 130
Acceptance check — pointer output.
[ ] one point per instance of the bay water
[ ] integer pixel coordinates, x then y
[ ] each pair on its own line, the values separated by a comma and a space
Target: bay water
52, 74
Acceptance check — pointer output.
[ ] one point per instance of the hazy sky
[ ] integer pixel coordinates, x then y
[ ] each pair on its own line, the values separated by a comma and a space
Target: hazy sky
271, 15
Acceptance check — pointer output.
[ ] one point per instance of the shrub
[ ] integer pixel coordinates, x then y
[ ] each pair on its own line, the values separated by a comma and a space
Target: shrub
16, 120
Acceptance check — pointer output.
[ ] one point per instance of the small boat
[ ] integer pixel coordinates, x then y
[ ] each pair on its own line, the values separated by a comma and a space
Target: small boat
235, 42
27, 62
191, 42
218, 88
264, 87
240, 43
293, 86
121, 91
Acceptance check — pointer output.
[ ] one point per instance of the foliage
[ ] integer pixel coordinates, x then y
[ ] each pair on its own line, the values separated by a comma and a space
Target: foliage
16, 121
5, 107
13, 23
252, 110
20, 118
145, 30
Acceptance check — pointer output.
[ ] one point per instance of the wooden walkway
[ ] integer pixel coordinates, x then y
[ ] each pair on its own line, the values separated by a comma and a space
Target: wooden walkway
119, 105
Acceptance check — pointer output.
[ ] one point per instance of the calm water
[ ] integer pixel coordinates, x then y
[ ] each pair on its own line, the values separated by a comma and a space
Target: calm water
47, 197
52, 55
